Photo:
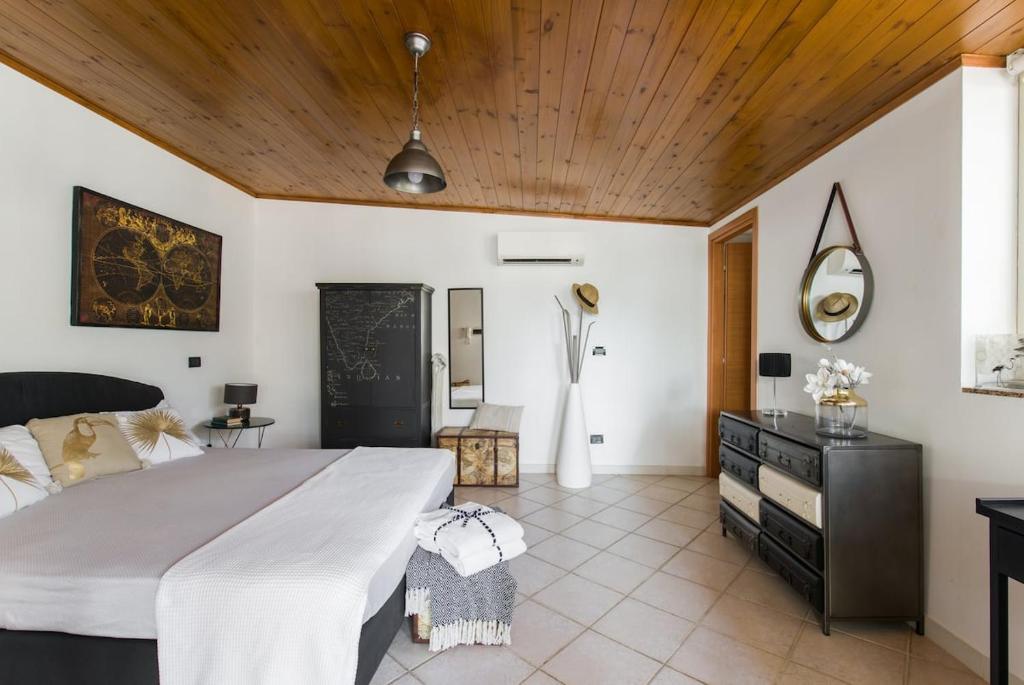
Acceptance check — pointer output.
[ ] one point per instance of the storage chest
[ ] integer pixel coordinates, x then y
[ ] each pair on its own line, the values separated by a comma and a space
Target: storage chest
482, 457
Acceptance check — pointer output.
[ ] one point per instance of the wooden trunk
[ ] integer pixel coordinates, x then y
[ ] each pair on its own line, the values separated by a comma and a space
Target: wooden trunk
482, 457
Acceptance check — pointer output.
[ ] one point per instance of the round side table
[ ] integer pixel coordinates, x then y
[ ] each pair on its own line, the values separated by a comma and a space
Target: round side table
260, 423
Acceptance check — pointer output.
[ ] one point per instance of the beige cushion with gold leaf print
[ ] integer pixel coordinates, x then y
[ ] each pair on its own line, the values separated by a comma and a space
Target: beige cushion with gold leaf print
18, 487
83, 446
158, 435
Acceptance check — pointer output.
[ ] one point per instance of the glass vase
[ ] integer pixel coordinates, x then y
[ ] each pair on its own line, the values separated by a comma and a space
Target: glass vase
842, 415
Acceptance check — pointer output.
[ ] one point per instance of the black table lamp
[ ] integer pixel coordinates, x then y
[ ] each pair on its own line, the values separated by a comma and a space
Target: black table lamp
239, 394
774, 365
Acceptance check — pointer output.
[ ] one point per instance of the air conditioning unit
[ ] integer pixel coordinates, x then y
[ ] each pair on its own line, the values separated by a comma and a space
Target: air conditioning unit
547, 247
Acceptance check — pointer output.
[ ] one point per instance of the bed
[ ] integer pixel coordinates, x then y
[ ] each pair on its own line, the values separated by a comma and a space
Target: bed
467, 396
78, 578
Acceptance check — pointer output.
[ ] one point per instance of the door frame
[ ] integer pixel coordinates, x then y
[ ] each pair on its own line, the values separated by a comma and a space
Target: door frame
716, 327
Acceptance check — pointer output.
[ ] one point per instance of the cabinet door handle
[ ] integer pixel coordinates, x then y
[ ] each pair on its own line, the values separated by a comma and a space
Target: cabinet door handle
399, 422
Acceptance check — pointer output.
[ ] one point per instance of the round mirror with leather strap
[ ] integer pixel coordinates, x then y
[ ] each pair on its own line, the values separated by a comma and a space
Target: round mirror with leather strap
837, 286
835, 294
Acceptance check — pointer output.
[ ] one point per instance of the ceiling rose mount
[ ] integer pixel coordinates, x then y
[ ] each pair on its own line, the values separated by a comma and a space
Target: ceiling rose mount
414, 170
417, 44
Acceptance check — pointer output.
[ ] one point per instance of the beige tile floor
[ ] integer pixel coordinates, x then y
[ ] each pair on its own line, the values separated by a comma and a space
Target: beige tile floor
630, 582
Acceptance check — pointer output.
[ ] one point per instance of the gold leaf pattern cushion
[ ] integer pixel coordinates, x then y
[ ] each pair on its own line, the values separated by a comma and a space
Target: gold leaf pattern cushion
18, 487
83, 446
158, 435
19, 442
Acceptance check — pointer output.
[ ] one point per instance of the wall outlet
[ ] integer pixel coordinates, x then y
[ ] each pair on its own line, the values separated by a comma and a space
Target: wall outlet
597, 439
195, 362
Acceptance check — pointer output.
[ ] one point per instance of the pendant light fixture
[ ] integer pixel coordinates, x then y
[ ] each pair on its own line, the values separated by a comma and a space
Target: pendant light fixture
413, 170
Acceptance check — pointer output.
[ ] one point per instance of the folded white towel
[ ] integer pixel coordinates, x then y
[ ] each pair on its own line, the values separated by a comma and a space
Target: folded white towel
429, 522
486, 529
469, 564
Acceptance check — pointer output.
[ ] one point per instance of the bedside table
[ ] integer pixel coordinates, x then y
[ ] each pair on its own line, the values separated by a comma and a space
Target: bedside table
259, 423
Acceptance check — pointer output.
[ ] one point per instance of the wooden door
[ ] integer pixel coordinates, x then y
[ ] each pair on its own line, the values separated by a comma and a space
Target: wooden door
736, 359
732, 325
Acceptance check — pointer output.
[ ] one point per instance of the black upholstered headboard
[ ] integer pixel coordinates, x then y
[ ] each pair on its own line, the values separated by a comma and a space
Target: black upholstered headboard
26, 395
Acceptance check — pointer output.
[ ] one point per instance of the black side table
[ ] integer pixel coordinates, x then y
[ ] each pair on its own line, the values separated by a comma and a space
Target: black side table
260, 423
1006, 560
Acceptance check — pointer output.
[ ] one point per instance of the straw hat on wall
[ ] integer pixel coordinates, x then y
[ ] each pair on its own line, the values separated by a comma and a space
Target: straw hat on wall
587, 296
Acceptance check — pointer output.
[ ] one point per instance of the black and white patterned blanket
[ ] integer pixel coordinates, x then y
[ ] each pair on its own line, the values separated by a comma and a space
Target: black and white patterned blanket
463, 610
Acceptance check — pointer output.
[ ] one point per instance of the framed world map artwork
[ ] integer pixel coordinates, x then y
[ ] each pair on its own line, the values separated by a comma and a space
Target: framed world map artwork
132, 268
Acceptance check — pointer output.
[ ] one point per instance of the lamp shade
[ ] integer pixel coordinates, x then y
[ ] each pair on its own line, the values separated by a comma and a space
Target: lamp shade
413, 170
239, 393
774, 364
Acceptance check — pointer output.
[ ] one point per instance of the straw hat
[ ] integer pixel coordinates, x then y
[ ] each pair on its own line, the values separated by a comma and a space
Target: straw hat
587, 295
836, 307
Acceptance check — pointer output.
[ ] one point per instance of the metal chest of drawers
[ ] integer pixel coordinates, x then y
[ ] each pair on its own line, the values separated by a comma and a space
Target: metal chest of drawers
866, 562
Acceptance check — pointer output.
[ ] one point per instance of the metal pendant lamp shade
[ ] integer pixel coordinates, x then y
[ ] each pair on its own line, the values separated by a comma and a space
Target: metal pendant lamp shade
414, 170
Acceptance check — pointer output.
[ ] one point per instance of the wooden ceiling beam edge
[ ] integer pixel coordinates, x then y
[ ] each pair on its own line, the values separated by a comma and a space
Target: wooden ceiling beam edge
964, 60
684, 223
60, 89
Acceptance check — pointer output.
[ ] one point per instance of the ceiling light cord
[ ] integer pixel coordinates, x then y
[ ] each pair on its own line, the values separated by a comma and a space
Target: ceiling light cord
416, 93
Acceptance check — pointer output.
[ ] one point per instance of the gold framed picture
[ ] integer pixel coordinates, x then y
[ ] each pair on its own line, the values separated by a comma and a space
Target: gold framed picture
132, 268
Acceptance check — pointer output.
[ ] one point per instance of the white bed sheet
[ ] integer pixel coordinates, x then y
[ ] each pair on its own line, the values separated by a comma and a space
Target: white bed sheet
89, 560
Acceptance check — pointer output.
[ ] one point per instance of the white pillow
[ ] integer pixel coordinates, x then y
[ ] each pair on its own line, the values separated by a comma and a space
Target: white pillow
497, 417
19, 441
21, 482
158, 435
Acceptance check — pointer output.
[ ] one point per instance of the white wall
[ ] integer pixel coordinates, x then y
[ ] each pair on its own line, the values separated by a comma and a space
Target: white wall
902, 177
647, 395
48, 144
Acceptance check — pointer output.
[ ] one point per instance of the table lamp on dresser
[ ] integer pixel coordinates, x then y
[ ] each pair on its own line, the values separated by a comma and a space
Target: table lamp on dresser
774, 365
239, 394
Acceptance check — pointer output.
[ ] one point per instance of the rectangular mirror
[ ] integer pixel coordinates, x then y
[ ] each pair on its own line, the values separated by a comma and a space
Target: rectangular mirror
466, 347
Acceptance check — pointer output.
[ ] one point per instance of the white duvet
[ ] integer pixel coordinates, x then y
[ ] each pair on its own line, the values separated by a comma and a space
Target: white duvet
279, 598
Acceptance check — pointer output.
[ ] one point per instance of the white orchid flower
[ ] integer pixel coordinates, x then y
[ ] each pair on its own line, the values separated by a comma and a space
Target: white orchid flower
834, 375
820, 384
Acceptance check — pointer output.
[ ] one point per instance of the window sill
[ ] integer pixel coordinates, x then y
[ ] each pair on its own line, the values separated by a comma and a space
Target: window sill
997, 392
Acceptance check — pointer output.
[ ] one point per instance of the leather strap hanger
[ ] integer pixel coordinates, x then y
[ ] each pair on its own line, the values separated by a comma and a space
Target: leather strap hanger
836, 189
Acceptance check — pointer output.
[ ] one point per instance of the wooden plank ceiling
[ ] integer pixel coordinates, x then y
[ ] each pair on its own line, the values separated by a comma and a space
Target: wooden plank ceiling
673, 111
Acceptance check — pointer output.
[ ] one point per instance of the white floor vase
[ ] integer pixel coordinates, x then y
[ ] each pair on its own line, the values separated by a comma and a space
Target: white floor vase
573, 464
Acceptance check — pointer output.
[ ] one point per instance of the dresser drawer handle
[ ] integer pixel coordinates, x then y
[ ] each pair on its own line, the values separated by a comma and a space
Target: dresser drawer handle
399, 422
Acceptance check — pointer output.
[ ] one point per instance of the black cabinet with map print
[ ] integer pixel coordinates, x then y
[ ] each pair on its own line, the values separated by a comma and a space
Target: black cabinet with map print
374, 364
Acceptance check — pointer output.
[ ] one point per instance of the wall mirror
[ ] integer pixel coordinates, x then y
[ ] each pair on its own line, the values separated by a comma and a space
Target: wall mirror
836, 294
466, 347
837, 286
